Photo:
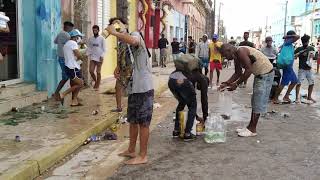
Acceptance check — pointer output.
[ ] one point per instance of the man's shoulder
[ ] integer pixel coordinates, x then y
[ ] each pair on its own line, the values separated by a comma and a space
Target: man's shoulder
71, 43
135, 33
63, 34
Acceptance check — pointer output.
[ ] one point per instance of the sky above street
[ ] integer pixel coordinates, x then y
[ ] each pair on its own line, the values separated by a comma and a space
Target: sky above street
243, 15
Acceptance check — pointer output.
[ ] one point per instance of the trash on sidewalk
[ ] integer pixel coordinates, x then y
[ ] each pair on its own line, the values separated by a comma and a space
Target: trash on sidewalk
95, 112
258, 141
226, 116
93, 138
123, 119
43, 108
174, 116
285, 115
17, 139
273, 112
15, 109
114, 127
156, 105
110, 136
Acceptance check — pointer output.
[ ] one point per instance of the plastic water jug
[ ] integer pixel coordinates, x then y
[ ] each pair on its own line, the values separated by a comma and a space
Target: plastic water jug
225, 102
215, 129
3, 20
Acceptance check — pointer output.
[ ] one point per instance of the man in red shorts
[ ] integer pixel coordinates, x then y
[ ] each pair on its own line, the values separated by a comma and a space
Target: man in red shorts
215, 58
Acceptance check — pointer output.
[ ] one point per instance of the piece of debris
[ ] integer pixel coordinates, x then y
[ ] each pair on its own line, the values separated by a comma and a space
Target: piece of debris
17, 139
226, 116
156, 105
87, 141
43, 108
258, 141
273, 112
15, 109
285, 115
123, 119
114, 127
93, 138
95, 112
110, 136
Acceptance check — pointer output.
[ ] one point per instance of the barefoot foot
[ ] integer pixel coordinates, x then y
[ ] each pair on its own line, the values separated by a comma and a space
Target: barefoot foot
137, 160
128, 154
312, 100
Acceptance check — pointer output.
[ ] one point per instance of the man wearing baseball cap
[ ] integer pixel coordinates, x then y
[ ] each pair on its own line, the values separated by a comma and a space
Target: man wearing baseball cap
215, 58
72, 67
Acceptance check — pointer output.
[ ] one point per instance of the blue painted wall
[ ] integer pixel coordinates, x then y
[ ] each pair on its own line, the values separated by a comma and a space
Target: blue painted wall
29, 40
41, 23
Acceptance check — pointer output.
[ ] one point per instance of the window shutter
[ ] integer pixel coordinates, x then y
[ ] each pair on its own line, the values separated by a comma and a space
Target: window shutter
106, 13
100, 13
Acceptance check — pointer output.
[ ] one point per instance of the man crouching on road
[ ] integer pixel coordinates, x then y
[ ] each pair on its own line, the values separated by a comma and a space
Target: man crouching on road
254, 62
140, 90
182, 85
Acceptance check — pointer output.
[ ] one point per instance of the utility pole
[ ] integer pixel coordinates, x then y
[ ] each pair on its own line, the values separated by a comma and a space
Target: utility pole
219, 18
285, 18
214, 16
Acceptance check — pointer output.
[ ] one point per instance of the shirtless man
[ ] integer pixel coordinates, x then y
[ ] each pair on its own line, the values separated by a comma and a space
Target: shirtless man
256, 63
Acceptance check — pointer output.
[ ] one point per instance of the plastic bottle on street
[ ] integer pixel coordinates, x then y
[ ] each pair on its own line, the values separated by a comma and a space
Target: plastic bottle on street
225, 99
215, 129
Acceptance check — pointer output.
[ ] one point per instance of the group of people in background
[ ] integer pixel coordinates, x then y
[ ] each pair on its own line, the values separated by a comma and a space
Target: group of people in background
269, 78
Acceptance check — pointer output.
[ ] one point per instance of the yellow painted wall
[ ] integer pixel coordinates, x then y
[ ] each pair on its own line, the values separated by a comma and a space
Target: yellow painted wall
110, 59
133, 15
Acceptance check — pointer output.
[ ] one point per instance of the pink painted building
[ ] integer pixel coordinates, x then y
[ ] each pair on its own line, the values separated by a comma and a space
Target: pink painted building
195, 18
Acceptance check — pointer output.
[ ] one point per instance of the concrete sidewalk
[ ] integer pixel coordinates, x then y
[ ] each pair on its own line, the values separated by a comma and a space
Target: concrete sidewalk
49, 131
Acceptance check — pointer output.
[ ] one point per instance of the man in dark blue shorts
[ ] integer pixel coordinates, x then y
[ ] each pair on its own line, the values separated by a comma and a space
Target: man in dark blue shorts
72, 68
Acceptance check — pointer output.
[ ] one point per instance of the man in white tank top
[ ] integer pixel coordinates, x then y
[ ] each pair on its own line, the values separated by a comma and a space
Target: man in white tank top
256, 63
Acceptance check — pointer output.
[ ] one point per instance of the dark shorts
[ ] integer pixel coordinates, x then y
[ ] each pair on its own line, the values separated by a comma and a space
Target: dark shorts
63, 69
73, 73
289, 76
140, 108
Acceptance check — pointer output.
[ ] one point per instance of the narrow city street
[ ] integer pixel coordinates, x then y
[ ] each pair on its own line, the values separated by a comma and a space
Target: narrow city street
287, 146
